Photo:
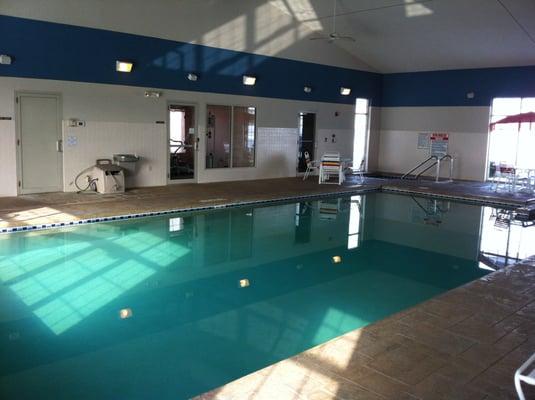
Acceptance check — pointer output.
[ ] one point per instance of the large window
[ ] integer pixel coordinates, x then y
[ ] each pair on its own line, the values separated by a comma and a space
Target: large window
230, 136
511, 144
360, 140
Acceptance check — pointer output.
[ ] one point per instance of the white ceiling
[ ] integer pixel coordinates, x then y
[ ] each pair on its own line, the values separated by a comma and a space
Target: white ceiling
418, 35
391, 35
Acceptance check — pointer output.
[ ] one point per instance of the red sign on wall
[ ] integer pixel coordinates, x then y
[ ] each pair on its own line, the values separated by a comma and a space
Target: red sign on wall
439, 144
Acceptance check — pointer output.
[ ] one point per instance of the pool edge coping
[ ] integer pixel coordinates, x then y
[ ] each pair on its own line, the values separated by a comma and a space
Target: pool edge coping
354, 191
123, 217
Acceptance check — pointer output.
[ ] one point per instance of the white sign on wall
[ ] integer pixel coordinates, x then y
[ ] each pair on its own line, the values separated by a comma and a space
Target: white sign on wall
439, 144
423, 141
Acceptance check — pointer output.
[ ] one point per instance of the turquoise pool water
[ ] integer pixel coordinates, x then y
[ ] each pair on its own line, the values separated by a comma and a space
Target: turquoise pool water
170, 307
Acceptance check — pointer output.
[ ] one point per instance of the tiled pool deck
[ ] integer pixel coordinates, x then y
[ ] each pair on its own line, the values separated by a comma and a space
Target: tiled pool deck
48, 208
53, 208
464, 344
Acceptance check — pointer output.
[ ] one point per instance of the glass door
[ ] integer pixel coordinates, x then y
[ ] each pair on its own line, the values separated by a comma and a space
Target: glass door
182, 142
306, 139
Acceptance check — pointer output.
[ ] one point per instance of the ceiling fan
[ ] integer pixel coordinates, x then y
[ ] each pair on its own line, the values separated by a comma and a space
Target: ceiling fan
334, 36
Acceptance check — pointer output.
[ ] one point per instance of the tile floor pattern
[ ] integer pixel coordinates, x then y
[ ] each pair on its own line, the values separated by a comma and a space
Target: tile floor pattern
463, 344
47, 208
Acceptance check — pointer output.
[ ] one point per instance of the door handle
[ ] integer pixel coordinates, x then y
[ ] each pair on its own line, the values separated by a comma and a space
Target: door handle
59, 146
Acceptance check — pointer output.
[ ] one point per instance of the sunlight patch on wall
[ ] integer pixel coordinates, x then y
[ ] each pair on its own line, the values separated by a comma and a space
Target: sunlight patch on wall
232, 35
300, 10
415, 9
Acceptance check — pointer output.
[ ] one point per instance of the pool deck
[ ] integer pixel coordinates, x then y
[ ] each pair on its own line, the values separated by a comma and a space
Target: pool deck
47, 208
463, 344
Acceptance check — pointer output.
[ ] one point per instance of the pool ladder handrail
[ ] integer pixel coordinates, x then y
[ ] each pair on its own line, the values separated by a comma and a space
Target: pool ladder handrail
420, 165
445, 157
437, 171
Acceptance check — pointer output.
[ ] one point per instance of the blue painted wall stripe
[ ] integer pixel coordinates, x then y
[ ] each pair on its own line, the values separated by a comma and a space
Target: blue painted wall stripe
449, 88
64, 52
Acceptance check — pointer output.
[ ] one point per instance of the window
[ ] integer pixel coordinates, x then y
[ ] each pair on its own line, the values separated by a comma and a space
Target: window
230, 136
511, 144
360, 139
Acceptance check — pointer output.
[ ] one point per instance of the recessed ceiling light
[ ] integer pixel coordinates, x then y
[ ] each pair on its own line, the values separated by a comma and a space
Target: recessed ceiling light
307, 89
345, 91
123, 66
249, 80
192, 77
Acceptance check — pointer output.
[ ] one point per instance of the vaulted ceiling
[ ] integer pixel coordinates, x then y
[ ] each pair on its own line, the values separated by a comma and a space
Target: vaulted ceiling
416, 35
390, 35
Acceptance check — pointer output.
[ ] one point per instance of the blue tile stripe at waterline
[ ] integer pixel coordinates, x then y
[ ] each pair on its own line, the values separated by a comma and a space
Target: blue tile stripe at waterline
49, 50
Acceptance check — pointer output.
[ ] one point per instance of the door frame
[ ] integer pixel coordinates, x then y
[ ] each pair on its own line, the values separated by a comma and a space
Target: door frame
306, 111
18, 105
195, 178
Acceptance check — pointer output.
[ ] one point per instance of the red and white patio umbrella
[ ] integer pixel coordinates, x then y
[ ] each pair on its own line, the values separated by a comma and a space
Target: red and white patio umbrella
528, 117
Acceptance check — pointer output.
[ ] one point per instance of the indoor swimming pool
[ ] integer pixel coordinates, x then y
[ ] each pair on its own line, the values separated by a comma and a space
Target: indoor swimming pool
172, 306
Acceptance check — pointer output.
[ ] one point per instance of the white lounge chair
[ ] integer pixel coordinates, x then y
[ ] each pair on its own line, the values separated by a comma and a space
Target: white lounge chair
331, 166
312, 166
526, 373
360, 170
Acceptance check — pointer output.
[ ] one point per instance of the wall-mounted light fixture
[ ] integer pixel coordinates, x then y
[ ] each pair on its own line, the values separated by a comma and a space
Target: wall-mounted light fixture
192, 77
153, 94
249, 80
307, 89
123, 66
5, 59
345, 91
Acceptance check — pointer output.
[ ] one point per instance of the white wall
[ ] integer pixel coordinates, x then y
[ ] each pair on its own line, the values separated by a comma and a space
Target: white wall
8, 178
468, 134
121, 119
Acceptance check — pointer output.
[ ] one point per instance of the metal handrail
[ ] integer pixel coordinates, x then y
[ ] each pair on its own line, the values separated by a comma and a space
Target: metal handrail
419, 165
445, 157
427, 169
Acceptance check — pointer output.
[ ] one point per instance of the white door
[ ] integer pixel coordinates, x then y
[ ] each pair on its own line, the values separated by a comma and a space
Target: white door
39, 143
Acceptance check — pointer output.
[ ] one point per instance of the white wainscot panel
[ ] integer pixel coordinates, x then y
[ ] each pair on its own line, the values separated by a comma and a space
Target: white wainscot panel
84, 145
